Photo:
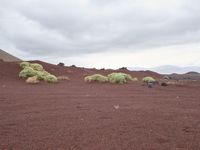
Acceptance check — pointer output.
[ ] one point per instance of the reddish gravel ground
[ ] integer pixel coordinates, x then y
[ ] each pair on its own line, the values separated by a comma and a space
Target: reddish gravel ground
73, 115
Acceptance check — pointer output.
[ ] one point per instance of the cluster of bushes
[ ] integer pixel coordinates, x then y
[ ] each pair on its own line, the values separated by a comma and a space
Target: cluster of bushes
119, 78
34, 72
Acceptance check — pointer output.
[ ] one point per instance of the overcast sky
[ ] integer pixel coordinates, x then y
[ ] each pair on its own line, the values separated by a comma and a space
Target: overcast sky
103, 33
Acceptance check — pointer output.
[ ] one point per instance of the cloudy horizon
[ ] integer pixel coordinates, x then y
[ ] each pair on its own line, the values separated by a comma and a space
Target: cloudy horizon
103, 34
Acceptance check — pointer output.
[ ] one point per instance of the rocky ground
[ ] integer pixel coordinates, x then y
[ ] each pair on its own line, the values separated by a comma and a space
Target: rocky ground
74, 115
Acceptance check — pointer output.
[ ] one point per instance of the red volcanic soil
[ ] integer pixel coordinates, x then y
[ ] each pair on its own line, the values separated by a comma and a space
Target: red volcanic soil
74, 115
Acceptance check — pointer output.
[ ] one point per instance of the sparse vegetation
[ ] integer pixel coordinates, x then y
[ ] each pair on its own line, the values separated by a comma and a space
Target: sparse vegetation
148, 80
119, 78
96, 78
37, 72
63, 78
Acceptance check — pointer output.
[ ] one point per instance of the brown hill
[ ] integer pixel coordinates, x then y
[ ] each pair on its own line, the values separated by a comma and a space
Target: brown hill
4, 56
10, 71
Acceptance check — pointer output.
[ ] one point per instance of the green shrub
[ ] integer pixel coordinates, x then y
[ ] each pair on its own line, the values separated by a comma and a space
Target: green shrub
37, 67
96, 78
50, 78
27, 72
42, 75
127, 76
37, 71
148, 80
24, 64
119, 78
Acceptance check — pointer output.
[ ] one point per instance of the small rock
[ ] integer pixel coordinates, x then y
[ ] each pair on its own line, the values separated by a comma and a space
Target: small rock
150, 85
164, 84
61, 64
116, 106
32, 80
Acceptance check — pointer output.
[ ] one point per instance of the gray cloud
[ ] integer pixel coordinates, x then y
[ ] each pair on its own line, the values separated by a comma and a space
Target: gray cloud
67, 28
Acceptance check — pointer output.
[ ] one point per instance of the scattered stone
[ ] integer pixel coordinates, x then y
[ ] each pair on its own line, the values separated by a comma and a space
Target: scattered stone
32, 80
73, 66
61, 64
163, 84
150, 85
123, 68
116, 106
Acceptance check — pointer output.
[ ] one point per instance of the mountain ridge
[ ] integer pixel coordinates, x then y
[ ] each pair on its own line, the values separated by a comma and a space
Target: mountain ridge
169, 69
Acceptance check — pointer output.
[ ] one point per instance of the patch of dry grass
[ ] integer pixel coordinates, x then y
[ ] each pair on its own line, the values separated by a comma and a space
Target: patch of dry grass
63, 78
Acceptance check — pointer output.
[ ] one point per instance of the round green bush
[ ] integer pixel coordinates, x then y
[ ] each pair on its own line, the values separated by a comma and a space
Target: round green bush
27, 72
24, 64
51, 78
119, 78
42, 75
148, 80
37, 67
96, 78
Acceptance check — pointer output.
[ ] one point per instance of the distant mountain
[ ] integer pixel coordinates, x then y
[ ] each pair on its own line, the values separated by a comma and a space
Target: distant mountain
169, 69
8, 57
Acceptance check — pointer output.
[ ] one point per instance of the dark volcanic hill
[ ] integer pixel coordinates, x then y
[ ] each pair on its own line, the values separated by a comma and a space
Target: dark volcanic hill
187, 76
8, 57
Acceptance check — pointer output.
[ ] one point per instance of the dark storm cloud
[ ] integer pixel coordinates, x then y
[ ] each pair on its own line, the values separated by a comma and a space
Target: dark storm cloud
66, 27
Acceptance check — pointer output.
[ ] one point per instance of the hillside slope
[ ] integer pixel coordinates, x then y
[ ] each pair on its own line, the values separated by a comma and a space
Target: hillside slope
10, 71
8, 57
